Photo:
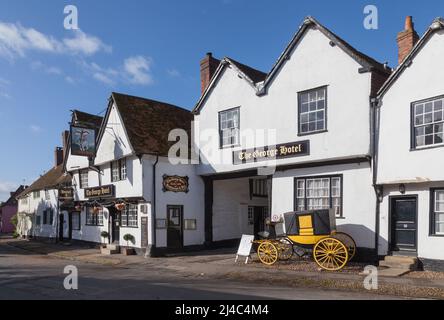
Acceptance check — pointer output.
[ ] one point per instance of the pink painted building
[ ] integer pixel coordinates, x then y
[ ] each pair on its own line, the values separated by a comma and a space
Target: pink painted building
8, 210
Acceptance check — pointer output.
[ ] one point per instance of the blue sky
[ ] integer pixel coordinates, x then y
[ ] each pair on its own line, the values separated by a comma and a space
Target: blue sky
151, 49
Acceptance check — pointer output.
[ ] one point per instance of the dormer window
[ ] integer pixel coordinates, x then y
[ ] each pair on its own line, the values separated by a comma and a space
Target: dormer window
312, 111
229, 127
428, 122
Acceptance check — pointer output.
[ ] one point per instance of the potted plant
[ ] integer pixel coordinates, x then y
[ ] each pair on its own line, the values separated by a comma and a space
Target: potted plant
120, 206
104, 235
128, 251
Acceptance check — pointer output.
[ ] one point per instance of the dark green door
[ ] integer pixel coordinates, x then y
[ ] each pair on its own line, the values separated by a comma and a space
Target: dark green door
404, 224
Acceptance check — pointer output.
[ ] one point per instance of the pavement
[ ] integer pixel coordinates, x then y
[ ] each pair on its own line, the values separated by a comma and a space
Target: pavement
218, 265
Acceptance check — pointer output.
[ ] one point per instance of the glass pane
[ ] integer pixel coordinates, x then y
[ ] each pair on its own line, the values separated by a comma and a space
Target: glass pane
419, 120
320, 125
304, 118
439, 195
438, 105
304, 98
428, 117
321, 104
320, 115
429, 139
304, 107
312, 106
312, 127
428, 107
419, 109
428, 129
304, 128
420, 140
312, 116
321, 94
437, 116
439, 138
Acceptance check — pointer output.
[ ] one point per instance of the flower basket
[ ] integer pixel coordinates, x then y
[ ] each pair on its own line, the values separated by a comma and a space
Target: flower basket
120, 206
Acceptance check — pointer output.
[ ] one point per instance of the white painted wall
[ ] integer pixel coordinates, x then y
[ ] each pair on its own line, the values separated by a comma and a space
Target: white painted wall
429, 247
358, 198
230, 208
192, 202
313, 63
422, 80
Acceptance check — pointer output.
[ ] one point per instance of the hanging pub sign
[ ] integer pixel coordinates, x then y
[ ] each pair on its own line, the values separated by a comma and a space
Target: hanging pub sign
83, 141
175, 184
280, 151
66, 194
100, 192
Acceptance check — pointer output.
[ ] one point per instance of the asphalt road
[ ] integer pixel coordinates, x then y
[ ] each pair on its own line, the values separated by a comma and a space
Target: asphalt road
24, 275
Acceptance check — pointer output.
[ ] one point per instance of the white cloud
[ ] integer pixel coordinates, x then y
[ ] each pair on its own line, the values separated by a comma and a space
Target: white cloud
135, 70
35, 128
16, 40
3, 84
138, 69
6, 188
5, 95
85, 44
103, 78
173, 73
70, 80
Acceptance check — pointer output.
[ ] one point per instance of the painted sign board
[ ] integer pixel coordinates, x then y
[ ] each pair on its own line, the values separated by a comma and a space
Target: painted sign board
100, 192
280, 151
175, 184
66, 194
245, 246
83, 141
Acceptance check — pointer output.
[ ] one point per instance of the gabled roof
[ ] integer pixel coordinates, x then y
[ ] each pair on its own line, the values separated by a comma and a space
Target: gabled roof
437, 24
148, 122
13, 197
80, 117
50, 180
260, 81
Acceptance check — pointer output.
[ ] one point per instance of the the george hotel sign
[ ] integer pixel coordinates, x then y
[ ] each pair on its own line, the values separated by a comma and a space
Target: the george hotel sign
280, 151
100, 192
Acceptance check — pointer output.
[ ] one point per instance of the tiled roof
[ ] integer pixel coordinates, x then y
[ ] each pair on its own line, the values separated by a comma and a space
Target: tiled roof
13, 198
253, 74
148, 123
50, 180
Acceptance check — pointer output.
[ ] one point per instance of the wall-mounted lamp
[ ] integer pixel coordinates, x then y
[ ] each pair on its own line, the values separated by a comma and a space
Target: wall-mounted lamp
402, 188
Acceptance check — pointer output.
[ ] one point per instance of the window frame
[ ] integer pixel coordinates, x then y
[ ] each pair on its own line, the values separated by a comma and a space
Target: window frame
96, 217
221, 145
125, 216
413, 146
330, 177
81, 185
79, 226
255, 183
122, 170
432, 213
36, 195
300, 93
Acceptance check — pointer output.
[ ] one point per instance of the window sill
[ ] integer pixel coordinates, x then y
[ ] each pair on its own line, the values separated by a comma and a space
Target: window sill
427, 148
230, 146
436, 235
311, 133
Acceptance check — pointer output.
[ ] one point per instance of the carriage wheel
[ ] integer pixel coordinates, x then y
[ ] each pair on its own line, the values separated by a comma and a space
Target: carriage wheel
285, 249
330, 254
349, 243
267, 253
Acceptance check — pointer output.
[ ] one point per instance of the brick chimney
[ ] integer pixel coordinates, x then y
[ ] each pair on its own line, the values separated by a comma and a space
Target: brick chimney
65, 137
208, 66
58, 156
406, 39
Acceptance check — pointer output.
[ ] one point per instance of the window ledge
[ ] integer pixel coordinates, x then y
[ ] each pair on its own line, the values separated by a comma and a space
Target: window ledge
427, 148
311, 133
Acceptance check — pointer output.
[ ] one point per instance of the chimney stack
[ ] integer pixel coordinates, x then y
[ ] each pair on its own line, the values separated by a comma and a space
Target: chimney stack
208, 66
58, 156
406, 39
65, 137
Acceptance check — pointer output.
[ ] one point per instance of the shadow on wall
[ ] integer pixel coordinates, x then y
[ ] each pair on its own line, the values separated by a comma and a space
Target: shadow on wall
365, 241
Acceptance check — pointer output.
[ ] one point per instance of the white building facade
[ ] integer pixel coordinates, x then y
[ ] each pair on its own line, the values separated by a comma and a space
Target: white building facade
313, 112
158, 203
410, 172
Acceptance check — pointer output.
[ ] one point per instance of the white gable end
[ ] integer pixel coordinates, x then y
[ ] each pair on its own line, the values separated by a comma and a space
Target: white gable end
114, 143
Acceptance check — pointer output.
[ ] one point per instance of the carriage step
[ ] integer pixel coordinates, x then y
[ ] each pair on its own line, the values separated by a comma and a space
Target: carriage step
393, 272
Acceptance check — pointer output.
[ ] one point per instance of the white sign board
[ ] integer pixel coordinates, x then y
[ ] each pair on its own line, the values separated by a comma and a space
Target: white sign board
245, 247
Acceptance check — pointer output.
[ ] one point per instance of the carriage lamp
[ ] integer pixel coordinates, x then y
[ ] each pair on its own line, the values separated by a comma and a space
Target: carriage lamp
402, 188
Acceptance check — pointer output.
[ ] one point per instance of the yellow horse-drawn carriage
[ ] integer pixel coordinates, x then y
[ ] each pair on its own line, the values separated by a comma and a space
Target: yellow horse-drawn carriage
308, 230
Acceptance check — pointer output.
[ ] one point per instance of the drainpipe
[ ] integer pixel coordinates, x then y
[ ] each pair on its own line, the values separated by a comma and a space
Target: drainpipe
374, 104
153, 209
